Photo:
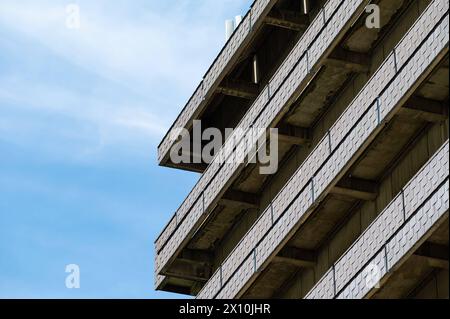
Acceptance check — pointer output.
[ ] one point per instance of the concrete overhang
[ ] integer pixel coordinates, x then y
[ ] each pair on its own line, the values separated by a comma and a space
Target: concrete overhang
228, 89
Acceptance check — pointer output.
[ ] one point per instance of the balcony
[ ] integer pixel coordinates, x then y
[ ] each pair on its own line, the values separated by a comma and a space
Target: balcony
311, 52
416, 56
396, 234
266, 34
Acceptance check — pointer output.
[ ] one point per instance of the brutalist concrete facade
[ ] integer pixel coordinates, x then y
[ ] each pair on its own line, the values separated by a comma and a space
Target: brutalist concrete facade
358, 207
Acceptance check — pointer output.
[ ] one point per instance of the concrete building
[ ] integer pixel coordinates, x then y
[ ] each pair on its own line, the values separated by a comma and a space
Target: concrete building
358, 207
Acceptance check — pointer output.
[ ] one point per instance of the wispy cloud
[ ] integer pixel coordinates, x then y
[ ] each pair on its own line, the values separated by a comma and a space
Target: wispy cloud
174, 44
81, 112
140, 63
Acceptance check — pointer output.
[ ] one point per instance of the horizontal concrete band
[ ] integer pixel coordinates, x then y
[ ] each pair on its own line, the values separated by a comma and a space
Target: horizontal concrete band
315, 175
295, 71
216, 71
401, 225
433, 211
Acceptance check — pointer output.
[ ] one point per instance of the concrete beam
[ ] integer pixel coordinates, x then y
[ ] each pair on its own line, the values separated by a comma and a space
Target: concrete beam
190, 270
290, 20
350, 60
294, 135
238, 198
426, 109
356, 188
177, 289
296, 256
239, 89
195, 164
435, 254
197, 256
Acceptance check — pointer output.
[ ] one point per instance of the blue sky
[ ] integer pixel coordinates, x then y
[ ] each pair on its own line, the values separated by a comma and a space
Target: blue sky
81, 114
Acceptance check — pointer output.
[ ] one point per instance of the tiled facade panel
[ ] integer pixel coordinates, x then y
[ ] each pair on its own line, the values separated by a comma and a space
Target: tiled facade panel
310, 34
159, 279
271, 109
176, 240
391, 234
416, 192
241, 276
370, 241
324, 288
365, 279
238, 254
247, 243
213, 288
345, 122
257, 9
301, 177
213, 73
211, 76
252, 114
425, 55
340, 157
345, 151
385, 72
330, 8
256, 109
398, 246
332, 30
285, 224
425, 23
418, 224
164, 237
363, 100
403, 50
224, 57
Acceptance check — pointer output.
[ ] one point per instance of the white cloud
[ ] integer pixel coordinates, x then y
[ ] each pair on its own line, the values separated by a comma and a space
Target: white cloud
76, 126
151, 54
171, 45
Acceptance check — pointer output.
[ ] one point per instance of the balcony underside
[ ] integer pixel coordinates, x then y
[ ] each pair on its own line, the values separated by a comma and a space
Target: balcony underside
361, 181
